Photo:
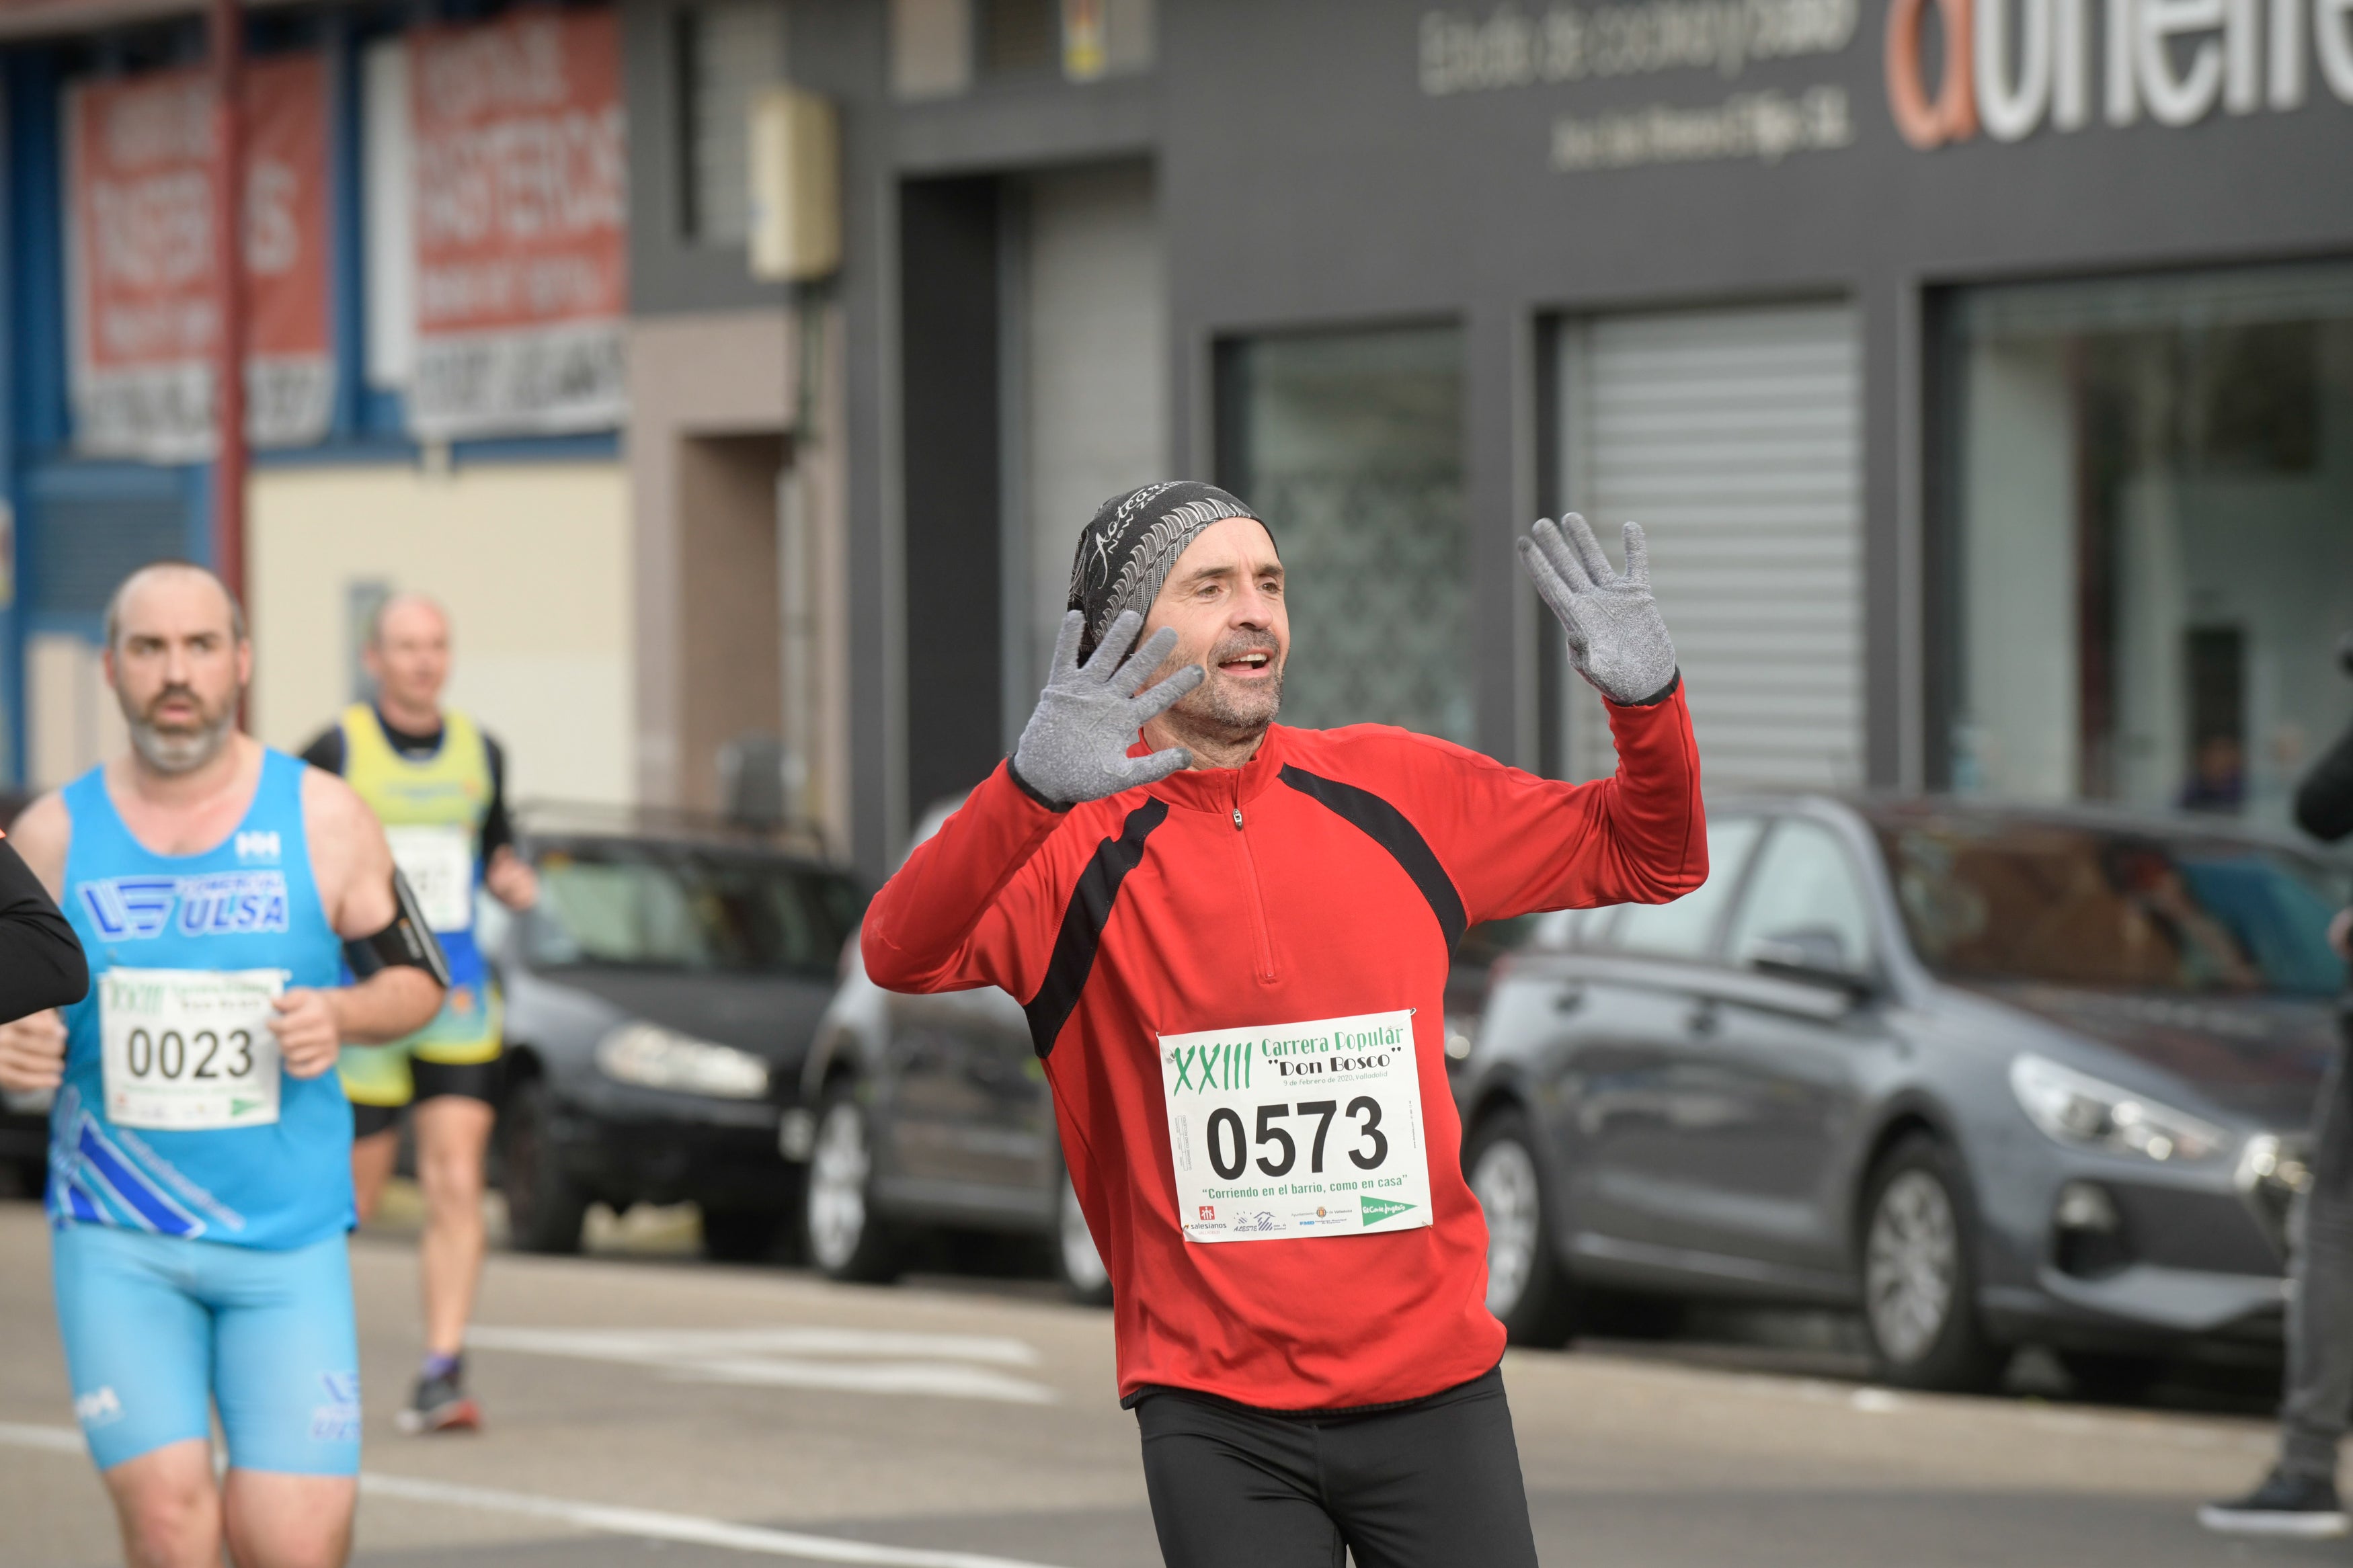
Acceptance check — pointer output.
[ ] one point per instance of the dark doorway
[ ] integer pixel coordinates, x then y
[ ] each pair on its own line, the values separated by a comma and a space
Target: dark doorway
949, 364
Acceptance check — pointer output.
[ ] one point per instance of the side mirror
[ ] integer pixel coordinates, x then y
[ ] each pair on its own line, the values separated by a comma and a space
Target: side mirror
1811, 955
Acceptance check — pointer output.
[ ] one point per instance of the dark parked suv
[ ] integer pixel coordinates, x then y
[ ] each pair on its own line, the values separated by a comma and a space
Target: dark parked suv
659, 998
1991, 1075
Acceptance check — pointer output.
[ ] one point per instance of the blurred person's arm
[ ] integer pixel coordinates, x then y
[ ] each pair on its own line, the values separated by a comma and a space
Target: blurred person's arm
2323, 803
505, 872
33, 1044
41, 962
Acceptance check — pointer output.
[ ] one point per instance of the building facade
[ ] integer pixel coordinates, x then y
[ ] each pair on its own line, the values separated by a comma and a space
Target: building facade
435, 253
1984, 374
1982, 369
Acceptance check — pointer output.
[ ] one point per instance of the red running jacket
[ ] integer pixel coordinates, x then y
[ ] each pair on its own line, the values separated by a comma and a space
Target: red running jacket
1330, 877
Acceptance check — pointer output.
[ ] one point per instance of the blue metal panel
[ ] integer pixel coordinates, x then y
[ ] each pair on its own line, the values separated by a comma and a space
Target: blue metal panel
88, 524
36, 363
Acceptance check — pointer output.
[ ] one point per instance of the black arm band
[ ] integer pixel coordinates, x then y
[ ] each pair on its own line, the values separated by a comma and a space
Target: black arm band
407, 943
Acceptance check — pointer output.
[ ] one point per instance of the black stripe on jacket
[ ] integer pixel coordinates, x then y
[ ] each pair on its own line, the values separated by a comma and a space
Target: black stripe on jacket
1386, 825
1083, 924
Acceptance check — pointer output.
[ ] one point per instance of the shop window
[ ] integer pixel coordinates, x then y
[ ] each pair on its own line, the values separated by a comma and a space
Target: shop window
726, 53
1351, 444
2150, 561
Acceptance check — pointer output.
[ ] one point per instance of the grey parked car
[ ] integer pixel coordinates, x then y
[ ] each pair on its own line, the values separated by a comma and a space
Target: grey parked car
929, 1113
1993, 1076
659, 1001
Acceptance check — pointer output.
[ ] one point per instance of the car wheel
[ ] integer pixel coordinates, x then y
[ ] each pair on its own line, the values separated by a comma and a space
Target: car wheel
1527, 1289
846, 1239
1919, 1278
546, 1208
743, 1236
1077, 1263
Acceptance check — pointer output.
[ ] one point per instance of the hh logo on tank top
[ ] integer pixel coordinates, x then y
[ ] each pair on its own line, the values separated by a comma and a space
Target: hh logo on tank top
219, 903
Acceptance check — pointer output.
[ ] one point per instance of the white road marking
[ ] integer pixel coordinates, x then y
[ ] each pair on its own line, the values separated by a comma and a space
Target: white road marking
57, 1439
995, 1349
936, 1364
649, 1524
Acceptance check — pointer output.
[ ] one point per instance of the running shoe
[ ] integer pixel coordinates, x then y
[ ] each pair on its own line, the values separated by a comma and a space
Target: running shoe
440, 1405
2301, 1506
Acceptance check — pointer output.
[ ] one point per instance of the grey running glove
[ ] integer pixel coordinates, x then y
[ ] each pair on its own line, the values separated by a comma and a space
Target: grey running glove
1616, 639
1075, 747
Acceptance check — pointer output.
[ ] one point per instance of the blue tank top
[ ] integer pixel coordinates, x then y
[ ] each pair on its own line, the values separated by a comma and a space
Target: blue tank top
248, 902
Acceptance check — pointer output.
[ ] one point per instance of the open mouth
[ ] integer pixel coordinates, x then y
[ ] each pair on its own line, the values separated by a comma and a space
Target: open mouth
1254, 663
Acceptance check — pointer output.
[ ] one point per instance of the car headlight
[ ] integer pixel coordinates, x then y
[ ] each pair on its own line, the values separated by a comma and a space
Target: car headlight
2090, 1114
651, 1057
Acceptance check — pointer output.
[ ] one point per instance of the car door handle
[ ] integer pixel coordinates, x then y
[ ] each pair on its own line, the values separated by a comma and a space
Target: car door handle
1568, 999
1704, 1016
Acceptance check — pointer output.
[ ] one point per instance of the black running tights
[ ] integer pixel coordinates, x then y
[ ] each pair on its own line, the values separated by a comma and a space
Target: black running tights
1433, 1484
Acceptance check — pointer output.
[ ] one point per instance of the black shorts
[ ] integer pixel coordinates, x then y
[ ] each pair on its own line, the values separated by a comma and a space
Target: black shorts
1434, 1483
467, 1080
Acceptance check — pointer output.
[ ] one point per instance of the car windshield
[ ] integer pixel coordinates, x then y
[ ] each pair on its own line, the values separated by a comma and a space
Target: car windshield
639, 906
1989, 898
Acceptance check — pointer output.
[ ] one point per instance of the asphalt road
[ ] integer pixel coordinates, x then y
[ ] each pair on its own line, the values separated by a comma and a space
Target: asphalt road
644, 1407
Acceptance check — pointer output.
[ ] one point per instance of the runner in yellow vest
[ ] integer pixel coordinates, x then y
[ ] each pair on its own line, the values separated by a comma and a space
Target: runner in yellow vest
435, 781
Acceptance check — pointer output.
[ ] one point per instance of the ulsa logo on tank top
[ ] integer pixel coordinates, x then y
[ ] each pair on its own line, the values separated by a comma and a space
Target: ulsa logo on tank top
218, 903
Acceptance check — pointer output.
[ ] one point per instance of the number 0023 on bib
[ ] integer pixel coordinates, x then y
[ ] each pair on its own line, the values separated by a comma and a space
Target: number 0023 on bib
189, 1049
1303, 1130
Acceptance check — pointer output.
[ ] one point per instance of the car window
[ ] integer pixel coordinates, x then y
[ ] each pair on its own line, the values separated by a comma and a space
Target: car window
1990, 899
1805, 888
624, 905
1684, 928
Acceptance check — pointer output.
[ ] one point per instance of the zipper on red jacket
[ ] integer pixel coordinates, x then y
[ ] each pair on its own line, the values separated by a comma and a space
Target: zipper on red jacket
1257, 897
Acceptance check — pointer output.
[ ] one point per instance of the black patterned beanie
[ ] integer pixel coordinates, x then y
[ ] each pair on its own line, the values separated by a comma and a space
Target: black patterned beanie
1128, 551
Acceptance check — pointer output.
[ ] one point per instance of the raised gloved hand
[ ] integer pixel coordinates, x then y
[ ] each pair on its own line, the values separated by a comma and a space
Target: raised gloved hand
1075, 747
1616, 639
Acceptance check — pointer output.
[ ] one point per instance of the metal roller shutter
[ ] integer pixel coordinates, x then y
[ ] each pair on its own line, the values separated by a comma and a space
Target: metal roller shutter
1734, 437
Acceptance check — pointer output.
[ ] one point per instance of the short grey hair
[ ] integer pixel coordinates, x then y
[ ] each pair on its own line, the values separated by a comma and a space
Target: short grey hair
391, 602
170, 564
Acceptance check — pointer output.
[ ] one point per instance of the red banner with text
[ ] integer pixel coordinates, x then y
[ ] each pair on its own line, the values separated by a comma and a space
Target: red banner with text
521, 215
145, 321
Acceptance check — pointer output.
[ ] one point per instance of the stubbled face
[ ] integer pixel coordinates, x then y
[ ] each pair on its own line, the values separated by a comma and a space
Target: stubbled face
1225, 600
177, 668
409, 660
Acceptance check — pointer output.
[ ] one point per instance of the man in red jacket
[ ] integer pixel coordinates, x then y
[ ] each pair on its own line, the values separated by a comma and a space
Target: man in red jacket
1232, 939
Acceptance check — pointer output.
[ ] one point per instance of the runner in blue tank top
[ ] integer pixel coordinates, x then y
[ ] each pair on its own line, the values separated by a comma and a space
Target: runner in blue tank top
200, 1142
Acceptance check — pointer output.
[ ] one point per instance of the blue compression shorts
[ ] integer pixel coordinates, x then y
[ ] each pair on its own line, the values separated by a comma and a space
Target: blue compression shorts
158, 1328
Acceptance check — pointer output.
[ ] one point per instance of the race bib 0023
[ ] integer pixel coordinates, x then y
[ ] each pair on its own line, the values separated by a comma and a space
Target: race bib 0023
189, 1049
1309, 1130
440, 865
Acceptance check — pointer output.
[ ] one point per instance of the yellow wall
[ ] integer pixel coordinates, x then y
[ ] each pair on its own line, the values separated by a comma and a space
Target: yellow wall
531, 560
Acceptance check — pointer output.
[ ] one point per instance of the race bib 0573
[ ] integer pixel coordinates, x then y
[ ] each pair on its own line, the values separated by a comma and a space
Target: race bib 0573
189, 1049
1309, 1130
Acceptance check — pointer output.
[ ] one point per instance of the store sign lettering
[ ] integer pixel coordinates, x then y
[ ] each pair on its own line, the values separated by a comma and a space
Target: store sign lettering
1512, 47
2010, 67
